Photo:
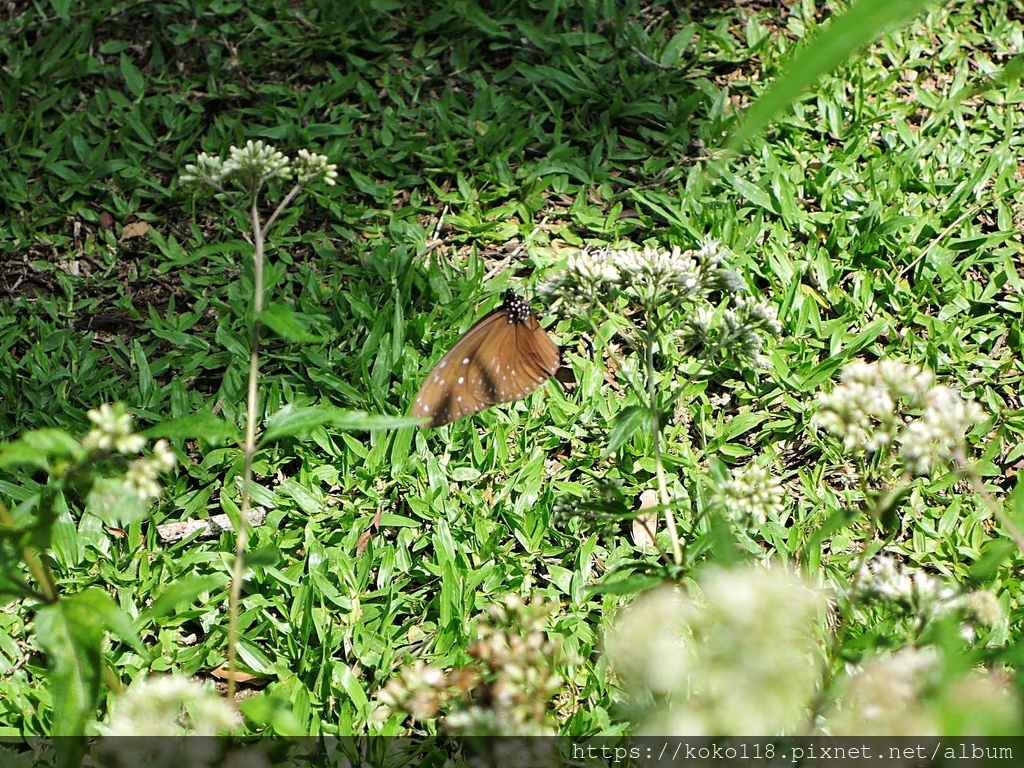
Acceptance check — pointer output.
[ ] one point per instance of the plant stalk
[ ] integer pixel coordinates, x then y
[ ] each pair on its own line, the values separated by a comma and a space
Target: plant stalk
252, 401
659, 467
39, 571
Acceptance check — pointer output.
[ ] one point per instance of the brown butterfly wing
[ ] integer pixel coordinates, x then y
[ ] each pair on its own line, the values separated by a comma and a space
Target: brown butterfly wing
438, 399
504, 357
513, 361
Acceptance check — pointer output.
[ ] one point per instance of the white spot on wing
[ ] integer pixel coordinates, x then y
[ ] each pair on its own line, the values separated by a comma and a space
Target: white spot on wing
465, 361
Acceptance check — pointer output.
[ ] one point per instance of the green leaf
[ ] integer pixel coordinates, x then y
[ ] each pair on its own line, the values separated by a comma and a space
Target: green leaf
288, 324
626, 422
111, 617
203, 426
630, 585
1016, 502
38, 449
264, 556
70, 636
836, 520
184, 590
273, 710
133, 79
993, 555
863, 22
62, 8
293, 421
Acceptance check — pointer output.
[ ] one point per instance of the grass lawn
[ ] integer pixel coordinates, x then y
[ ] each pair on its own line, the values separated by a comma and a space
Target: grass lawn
878, 217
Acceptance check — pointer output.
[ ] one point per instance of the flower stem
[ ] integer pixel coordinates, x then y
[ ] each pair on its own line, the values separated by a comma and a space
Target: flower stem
839, 637
659, 467
38, 569
252, 401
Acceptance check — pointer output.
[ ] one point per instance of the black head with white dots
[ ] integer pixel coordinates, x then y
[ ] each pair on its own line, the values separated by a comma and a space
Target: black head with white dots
514, 306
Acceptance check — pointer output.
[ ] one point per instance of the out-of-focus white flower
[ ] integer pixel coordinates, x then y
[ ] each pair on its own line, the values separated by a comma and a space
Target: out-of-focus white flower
985, 607
113, 430
885, 697
743, 661
171, 705
650, 644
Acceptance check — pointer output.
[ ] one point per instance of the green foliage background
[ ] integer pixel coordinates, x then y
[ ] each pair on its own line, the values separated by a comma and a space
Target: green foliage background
881, 214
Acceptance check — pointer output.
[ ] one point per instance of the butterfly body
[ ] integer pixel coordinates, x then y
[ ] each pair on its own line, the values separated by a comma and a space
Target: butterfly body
505, 356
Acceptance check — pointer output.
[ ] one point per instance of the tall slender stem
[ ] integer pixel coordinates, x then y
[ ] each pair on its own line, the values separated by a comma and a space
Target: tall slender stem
242, 536
838, 638
659, 467
40, 572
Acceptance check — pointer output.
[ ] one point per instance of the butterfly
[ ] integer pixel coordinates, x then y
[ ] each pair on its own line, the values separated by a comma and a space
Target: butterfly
504, 357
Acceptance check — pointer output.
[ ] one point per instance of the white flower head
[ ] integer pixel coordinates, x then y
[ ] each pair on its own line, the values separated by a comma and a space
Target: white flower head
931, 441
588, 273
919, 592
868, 407
309, 165
660, 274
207, 169
752, 495
255, 163
113, 431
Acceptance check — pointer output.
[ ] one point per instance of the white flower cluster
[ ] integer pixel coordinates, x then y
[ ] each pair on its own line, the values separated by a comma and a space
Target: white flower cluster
256, 163
752, 495
514, 663
651, 274
309, 165
687, 279
654, 269
921, 592
930, 441
113, 431
927, 596
738, 331
863, 411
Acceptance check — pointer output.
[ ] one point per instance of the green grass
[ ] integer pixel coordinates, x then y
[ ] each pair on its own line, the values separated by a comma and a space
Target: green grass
880, 215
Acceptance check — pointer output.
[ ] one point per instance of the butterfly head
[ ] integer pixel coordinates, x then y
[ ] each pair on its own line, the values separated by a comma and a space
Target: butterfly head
515, 307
